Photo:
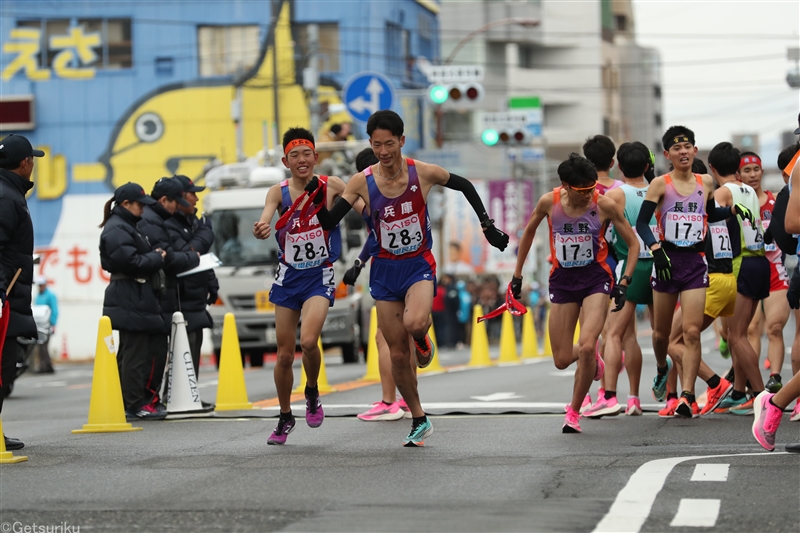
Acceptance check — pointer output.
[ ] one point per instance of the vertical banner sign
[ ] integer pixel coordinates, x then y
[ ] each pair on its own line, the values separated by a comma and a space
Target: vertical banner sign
510, 205
462, 226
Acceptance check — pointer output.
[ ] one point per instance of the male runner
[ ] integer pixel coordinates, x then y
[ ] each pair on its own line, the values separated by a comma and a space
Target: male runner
403, 270
774, 310
634, 160
304, 282
685, 201
751, 268
389, 407
580, 279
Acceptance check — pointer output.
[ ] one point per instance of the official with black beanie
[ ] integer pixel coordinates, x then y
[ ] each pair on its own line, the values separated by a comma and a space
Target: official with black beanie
168, 194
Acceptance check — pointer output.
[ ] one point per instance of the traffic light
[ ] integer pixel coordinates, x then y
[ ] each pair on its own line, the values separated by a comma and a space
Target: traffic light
506, 137
456, 94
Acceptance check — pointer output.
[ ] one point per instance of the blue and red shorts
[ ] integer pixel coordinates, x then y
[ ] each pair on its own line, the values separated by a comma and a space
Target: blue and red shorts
292, 287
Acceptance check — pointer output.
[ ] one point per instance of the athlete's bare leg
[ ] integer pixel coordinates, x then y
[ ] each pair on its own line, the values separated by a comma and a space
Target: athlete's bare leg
663, 312
776, 310
755, 330
314, 312
692, 305
563, 318
677, 348
619, 328
388, 388
745, 359
397, 320
633, 357
790, 391
796, 343
286, 333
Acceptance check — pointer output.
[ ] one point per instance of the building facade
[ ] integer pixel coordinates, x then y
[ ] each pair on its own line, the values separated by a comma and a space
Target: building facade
133, 91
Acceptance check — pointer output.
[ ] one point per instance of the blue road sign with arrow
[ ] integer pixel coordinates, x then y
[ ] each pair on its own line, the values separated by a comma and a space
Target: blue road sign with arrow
366, 93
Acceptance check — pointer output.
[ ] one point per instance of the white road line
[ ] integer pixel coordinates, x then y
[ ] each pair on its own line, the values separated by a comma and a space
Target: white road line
449, 405
710, 472
632, 506
696, 513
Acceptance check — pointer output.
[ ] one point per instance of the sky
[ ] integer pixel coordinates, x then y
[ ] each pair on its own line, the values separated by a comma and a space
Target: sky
724, 66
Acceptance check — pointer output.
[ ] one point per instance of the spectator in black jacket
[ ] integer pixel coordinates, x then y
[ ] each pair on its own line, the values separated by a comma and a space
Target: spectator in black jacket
197, 291
132, 297
168, 194
16, 252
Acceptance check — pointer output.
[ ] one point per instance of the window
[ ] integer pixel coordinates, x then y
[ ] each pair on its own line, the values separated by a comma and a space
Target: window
114, 52
227, 50
425, 23
657, 120
328, 45
622, 22
657, 91
394, 49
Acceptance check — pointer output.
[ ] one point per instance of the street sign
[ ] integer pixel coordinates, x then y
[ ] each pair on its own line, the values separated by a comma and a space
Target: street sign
453, 73
512, 119
366, 93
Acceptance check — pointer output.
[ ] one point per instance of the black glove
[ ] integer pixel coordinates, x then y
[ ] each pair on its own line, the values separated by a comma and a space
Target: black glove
212, 298
618, 295
793, 295
663, 265
351, 275
315, 191
496, 238
745, 214
768, 237
516, 285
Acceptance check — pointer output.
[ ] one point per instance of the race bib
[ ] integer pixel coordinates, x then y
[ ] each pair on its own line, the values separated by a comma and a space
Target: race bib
769, 247
753, 236
401, 236
683, 229
644, 252
720, 241
328, 278
306, 250
573, 250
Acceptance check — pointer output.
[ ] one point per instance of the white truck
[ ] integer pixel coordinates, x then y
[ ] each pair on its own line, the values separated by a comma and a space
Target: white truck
234, 202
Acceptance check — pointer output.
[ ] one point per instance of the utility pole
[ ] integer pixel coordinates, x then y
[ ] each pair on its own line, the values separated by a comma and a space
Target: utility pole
276, 5
311, 77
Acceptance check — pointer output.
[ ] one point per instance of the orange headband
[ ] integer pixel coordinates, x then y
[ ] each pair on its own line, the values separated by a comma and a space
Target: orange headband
295, 143
583, 188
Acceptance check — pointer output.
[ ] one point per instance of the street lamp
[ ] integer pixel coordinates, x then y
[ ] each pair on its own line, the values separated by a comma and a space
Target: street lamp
520, 21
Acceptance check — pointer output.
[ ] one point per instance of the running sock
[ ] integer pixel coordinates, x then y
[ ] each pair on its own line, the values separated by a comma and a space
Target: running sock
774, 405
736, 395
689, 397
312, 392
713, 382
384, 402
610, 394
419, 419
776, 376
672, 396
286, 416
662, 371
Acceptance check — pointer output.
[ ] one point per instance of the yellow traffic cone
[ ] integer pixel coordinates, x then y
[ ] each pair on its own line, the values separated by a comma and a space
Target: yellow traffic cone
7, 457
508, 341
577, 335
435, 366
231, 389
373, 357
530, 344
322, 379
106, 410
479, 343
548, 350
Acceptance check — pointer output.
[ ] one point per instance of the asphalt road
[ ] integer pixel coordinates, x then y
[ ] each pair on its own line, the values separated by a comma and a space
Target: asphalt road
496, 462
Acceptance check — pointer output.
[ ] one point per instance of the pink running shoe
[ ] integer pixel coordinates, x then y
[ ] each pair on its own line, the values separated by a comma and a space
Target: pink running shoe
610, 407
795, 416
572, 423
766, 421
404, 407
587, 403
669, 410
382, 411
601, 367
601, 393
634, 407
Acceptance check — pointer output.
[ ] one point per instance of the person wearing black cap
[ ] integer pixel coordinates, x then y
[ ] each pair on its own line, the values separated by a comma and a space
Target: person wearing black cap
131, 299
168, 194
16, 252
188, 233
